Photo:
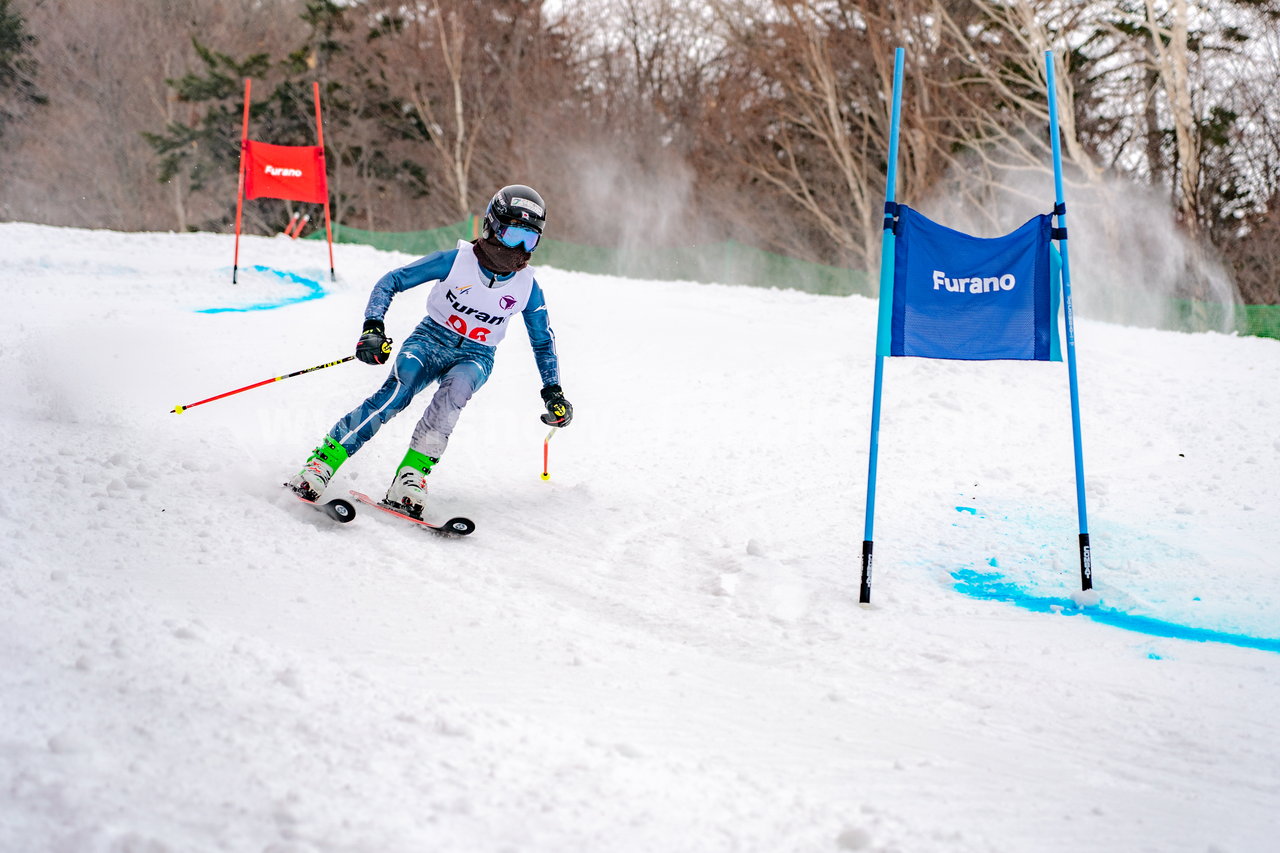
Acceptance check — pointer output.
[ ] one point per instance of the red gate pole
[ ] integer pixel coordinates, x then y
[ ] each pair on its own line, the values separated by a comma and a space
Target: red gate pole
244, 144
328, 229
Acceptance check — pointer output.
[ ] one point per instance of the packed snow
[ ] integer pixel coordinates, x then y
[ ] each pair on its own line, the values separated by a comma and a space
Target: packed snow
660, 647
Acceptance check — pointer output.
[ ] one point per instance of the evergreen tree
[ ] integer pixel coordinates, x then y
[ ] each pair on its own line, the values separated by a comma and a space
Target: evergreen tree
210, 147
206, 152
359, 131
17, 66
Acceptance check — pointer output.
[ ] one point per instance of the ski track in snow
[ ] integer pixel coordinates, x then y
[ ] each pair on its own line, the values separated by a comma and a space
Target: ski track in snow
659, 648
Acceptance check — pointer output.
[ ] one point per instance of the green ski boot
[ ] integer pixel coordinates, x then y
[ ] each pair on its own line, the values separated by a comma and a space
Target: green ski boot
408, 492
311, 481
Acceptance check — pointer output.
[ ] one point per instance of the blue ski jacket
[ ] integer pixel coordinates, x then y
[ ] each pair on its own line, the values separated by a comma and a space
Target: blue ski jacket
436, 267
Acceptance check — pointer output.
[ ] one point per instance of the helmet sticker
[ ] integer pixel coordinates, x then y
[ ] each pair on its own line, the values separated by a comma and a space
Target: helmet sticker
532, 205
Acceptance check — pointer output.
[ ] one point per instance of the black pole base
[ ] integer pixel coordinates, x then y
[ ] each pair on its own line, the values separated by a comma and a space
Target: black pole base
864, 591
1086, 563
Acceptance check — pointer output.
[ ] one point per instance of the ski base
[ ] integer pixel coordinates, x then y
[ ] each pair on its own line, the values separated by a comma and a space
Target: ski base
338, 509
458, 526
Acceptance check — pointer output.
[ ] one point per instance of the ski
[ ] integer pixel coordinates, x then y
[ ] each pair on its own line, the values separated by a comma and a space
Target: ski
338, 509
457, 526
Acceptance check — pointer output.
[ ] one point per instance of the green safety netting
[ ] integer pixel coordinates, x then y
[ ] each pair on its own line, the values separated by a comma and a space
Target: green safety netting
734, 263
1259, 320
409, 242
727, 262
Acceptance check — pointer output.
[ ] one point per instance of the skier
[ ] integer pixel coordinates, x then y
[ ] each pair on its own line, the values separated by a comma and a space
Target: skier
479, 287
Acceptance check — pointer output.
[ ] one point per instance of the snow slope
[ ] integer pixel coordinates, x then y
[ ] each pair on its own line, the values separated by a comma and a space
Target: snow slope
658, 649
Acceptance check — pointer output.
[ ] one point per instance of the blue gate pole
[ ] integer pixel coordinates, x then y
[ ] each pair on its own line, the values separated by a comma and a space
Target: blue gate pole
1060, 208
883, 334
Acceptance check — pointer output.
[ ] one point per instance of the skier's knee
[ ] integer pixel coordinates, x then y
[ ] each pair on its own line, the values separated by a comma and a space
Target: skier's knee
457, 390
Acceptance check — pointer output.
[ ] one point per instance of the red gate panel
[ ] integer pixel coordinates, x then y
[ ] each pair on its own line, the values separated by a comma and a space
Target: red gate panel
294, 172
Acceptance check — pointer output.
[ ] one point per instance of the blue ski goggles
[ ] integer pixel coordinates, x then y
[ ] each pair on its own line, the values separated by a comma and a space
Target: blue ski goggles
518, 236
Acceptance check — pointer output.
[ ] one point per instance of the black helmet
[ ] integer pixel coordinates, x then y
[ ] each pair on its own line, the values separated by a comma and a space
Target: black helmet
514, 205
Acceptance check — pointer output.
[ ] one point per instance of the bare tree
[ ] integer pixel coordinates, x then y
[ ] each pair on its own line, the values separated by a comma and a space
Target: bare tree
84, 159
631, 138
1171, 57
808, 109
990, 62
458, 67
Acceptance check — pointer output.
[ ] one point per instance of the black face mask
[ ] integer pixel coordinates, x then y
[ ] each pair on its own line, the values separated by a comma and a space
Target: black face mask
498, 258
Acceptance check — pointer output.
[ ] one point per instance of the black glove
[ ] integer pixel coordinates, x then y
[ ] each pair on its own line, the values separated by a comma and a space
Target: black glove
559, 412
374, 346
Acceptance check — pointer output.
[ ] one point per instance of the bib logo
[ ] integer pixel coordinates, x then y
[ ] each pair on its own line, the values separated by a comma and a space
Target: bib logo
482, 316
990, 284
282, 172
506, 302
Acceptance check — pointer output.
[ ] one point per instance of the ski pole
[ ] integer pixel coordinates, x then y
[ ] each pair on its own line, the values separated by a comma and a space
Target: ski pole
177, 410
546, 474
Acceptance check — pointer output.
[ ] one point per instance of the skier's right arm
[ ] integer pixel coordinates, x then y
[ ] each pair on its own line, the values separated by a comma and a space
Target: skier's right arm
433, 267
374, 347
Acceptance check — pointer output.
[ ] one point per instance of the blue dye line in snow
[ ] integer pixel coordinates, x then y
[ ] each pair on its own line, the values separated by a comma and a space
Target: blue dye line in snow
314, 290
994, 587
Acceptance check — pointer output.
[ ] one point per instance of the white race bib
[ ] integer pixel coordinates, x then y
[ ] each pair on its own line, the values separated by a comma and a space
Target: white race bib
465, 303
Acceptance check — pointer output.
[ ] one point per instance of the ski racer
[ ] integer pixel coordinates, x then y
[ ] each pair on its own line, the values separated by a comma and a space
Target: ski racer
480, 286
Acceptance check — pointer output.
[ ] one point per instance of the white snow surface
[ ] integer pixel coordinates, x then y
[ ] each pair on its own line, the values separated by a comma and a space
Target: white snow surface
659, 648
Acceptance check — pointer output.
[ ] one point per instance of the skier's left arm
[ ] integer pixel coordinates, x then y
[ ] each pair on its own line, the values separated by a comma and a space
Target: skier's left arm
543, 339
